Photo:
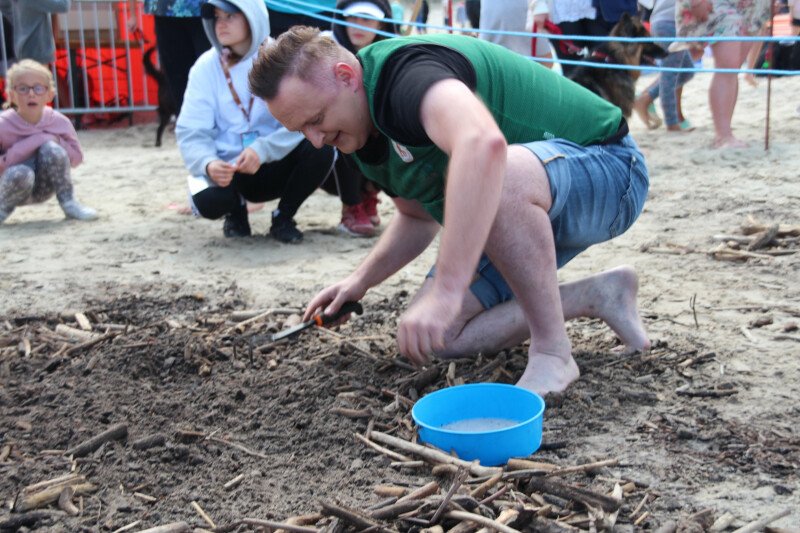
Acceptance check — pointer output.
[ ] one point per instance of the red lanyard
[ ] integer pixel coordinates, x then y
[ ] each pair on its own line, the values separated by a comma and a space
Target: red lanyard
245, 112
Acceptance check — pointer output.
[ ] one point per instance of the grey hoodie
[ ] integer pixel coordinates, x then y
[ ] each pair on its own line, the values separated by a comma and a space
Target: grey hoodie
211, 125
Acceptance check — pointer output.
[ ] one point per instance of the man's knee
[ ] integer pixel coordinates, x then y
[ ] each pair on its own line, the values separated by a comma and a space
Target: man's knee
526, 180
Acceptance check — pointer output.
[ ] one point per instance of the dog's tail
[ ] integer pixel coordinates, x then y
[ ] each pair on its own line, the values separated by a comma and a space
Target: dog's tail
150, 68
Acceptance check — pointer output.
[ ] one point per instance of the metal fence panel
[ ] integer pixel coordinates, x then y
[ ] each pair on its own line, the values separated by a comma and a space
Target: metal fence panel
99, 64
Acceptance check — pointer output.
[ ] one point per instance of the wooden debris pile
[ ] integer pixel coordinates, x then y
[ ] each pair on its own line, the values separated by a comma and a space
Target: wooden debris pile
757, 241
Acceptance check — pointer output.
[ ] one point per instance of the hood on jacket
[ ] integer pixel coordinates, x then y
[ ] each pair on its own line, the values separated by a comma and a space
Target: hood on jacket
340, 30
255, 12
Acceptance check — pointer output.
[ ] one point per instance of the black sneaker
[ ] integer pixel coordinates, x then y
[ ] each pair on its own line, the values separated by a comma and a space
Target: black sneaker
236, 224
285, 230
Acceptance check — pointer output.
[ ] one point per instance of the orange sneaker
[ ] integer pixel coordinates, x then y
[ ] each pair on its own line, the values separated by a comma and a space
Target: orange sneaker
355, 221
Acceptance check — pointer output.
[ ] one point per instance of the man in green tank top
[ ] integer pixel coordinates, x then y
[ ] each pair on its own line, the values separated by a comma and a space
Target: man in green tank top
520, 168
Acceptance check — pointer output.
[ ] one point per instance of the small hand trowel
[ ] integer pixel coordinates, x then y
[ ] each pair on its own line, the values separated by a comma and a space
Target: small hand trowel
320, 320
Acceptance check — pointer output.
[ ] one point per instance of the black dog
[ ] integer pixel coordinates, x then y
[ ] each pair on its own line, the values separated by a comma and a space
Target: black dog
616, 85
166, 104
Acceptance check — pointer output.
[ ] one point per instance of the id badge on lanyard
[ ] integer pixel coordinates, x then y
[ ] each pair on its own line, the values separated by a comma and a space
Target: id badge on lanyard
248, 138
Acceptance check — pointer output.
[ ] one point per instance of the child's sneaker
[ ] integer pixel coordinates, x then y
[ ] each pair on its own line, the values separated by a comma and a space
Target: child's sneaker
355, 221
370, 204
75, 210
236, 224
285, 230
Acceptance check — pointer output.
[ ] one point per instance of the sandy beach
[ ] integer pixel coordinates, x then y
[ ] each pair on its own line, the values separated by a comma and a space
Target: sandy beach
742, 309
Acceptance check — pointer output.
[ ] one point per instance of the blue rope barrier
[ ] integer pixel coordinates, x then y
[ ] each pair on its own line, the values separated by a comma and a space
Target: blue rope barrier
292, 4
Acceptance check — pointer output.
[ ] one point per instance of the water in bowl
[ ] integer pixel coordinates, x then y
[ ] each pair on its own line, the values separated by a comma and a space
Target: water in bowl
479, 425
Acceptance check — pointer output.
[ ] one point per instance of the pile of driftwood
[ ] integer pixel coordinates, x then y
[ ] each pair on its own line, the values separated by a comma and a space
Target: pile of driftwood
757, 241
462, 497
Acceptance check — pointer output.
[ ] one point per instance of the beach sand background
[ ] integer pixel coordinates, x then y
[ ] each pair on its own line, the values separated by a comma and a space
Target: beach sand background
741, 311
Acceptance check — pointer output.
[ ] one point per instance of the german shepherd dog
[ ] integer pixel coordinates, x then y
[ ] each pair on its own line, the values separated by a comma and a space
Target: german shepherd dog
616, 85
166, 104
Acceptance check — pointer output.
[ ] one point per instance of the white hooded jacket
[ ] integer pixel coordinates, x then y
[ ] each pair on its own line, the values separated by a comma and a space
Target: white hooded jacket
211, 124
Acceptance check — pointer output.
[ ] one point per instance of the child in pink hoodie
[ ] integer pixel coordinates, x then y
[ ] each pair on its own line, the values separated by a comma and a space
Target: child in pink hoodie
37, 145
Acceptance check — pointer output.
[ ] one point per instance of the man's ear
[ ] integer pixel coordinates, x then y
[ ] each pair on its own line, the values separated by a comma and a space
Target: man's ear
347, 74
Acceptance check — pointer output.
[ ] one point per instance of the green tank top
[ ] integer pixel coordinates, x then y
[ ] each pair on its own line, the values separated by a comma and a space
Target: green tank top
528, 101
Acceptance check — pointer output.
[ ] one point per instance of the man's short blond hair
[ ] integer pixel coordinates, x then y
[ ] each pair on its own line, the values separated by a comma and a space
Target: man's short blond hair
301, 51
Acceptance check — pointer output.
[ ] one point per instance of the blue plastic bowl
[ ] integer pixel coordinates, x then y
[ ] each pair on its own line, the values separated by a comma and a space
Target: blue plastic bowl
491, 422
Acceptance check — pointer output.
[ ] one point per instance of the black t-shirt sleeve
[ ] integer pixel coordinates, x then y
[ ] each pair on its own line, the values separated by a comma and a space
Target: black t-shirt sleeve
406, 77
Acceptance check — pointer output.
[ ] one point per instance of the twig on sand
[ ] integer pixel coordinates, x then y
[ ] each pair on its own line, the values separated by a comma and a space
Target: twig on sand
269, 524
115, 432
435, 456
457, 481
758, 525
481, 520
394, 455
203, 514
353, 517
174, 527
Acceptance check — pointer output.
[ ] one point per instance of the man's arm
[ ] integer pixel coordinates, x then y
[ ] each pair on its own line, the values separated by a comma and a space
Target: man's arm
459, 124
408, 234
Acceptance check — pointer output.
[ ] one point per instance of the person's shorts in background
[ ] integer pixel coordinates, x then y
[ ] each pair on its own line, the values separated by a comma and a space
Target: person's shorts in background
598, 192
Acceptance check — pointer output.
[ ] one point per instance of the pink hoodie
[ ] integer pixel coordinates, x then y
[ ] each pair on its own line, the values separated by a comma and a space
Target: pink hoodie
19, 139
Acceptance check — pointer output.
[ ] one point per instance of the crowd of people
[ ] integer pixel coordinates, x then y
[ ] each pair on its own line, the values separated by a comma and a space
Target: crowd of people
464, 136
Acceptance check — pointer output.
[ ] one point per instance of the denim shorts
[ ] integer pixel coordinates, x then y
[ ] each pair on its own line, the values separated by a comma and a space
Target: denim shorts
598, 192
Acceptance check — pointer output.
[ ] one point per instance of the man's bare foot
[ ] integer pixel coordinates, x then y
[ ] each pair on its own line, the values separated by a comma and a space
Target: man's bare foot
640, 106
611, 297
548, 373
729, 142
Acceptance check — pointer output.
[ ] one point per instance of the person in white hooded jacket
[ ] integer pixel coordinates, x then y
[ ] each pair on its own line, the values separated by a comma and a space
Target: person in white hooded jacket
233, 147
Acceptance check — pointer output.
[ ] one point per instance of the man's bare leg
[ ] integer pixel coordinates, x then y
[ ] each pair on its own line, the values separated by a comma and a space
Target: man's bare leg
520, 245
609, 296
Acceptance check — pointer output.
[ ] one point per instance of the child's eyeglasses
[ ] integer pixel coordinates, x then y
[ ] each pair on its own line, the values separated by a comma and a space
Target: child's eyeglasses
25, 89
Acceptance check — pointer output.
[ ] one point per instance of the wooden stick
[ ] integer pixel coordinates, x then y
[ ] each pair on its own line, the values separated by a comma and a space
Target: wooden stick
279, 525
83, 322
92, 342
525, 464
758, 525
352, 517
233, 483
481, 520
433, 455
390, 491
75, 334
722, 523
115, 432
506, 516
150, 441
484, 487
31, 519
390, 512
762, 239
584, 467
203, 514
261, 316
65, 501
66, 479
27, 502
238, 446
174, 527
548, 486
459, 479
126, 528
394, 455
422, 492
